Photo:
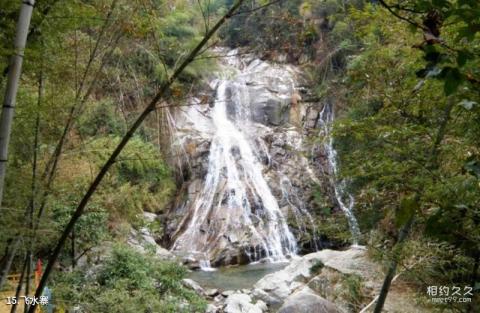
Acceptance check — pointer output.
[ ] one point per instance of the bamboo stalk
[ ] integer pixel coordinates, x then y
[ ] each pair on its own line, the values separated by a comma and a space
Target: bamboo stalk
11, 90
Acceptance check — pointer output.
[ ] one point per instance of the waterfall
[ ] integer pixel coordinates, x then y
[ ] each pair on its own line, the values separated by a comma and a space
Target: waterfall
205, 265
344, 199
235, 198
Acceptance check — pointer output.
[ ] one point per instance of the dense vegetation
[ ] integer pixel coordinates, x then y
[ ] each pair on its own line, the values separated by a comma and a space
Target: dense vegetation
128, 282
413, 108
403, 76
90, 67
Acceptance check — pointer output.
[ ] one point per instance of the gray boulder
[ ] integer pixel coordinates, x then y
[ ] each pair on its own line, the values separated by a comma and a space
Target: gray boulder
211, 308
212, 293
143, 241
242, 303
193, 285
274, 288
306, 301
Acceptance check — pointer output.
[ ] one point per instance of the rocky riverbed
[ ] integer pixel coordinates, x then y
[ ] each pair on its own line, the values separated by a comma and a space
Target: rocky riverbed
327, 281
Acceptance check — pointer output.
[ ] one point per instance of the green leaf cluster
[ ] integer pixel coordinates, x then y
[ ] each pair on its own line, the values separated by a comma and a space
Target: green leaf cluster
127, 281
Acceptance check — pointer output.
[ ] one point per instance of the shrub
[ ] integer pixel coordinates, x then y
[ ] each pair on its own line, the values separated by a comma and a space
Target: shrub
127, 282
316, 268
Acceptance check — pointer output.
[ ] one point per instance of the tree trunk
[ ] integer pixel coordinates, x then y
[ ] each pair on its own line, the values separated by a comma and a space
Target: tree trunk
111, 160
433, 163
393, 264
8, 261
28, 281
476, 264
34, 31
73, 249
13, 79
33, 186
19, 286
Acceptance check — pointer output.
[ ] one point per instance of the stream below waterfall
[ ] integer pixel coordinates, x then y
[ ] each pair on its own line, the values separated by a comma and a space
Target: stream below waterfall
235, 277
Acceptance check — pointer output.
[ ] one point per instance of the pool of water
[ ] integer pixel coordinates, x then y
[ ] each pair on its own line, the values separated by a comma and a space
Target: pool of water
235, 277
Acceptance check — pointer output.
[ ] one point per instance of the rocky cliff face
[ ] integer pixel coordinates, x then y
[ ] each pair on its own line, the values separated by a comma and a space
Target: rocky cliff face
245, 160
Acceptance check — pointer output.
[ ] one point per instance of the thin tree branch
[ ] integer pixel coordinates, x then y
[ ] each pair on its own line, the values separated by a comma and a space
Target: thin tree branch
258, 8
203, 15
389, 8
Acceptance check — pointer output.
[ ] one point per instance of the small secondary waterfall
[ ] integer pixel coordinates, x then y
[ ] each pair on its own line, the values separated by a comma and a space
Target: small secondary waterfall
345, 200
235, 197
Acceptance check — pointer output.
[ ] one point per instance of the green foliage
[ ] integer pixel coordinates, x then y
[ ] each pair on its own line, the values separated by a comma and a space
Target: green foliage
406, 149
353, 292
453, 58
334, 229
256, 30
141, 180
472, 166
127, 282
139, 162
101, 119
316, 268
311, 33
8, 286
155, 227
321, 200
102, 63
331, 223
407, 209
90, 230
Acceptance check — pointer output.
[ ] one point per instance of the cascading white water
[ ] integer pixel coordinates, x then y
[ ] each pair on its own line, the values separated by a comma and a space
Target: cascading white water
235, 198
345, 200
